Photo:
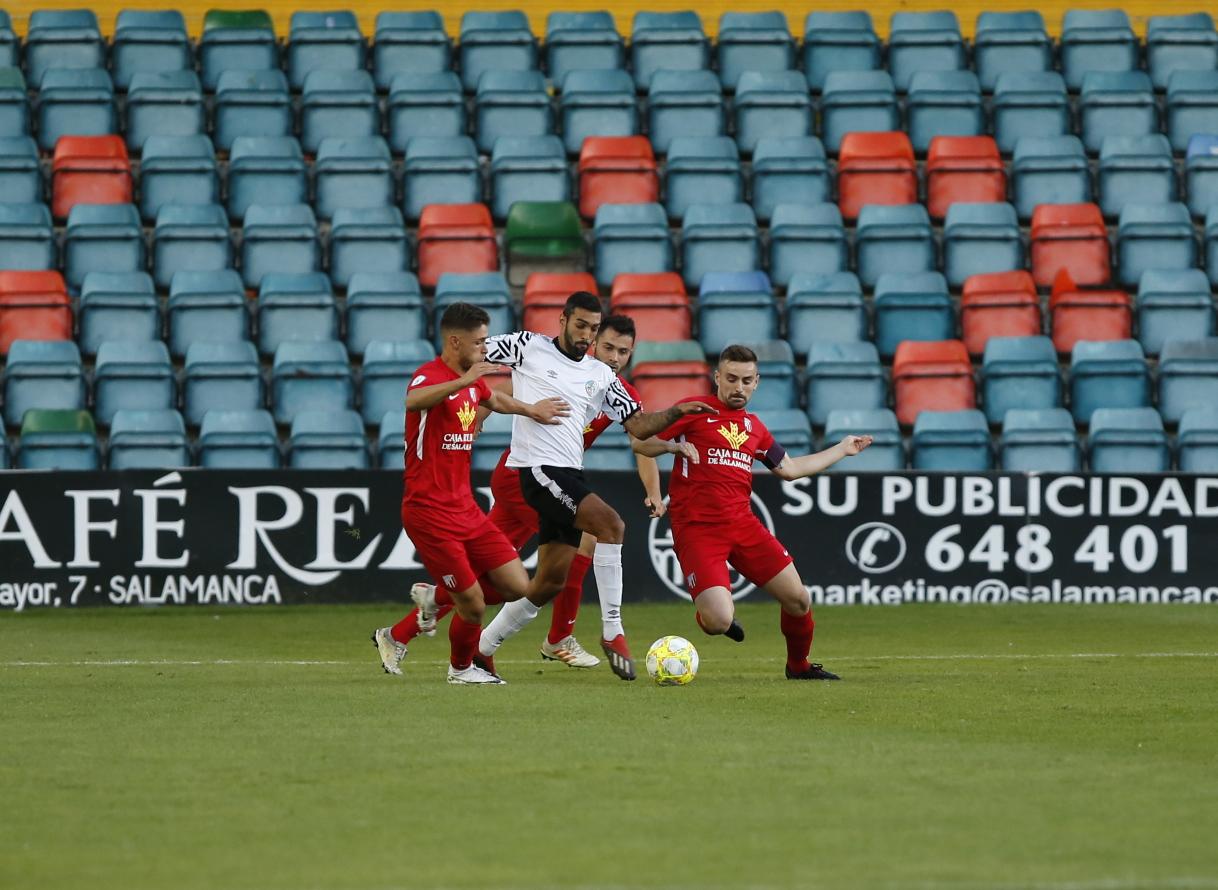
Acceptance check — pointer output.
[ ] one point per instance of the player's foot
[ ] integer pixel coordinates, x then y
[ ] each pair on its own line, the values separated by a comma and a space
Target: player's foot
735, 631
472, 676
392, 652
814, 672
424, 596
486, 662
618, 654
569, 652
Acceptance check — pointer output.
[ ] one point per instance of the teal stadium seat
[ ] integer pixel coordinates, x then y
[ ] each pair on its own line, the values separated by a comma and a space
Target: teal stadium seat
886, 454
789, 171
265, 170
1176, 43
598, 102
838, 41
1097, 40
64, 39
923, 41
341, 104
152, 439
894, 238
630, 238
323, 41
424, 104
1128, 440
383, 305
979, 239
1028, 103
367, 239
353, 174
440, 170
527, 168
843, 376
718, 238
177, 170
1188, 377
1135, 170
683, 103
208, 306
252, 103
825, 308
222, 376
388, 367
1007, 42
1019, 373
771, 105
1116, 103
132, 374
278, 239
58, 439
1191, 106
391, 438
1107, 374
912, 306
295, 307
943, 103
1039, 440
735, 307
668, 41
1154, 236
807, 239
238, 440
74, 102
190, 238
149, 42
27, 237
1173, 304
955, 441
164, 104
752, 42
583, 41
236, 41
494, 41
857, 102
117, 306
311, 376
327, 440
409, 41
511, 103
42, 374
1197, 441
102, 238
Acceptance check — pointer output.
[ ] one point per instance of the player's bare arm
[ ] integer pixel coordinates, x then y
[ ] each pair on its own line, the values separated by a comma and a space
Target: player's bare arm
811, 464
655, 447
420, 398
548, 411
645, 424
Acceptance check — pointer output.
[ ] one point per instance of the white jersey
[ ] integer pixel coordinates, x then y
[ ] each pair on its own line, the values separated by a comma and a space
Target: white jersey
540, 370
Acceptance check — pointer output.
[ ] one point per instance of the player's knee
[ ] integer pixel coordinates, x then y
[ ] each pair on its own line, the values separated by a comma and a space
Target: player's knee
715, 622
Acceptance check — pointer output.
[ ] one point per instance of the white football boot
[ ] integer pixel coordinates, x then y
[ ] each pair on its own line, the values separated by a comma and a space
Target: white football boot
424, 596
473, 676
392, 652
569, 652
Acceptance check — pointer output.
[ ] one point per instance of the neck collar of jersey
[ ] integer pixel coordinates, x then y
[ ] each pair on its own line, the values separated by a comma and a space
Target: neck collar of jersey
558, 345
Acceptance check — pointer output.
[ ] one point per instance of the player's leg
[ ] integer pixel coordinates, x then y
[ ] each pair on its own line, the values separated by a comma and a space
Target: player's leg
463, 633
597, 518
702, 550
553, 562
561, 644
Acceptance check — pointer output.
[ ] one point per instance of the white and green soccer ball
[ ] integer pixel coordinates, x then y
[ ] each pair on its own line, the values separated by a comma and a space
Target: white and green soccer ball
672, 661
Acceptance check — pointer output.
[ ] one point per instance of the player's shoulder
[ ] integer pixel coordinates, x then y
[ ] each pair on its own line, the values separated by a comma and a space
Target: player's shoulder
756, 422
435, 368
629, 387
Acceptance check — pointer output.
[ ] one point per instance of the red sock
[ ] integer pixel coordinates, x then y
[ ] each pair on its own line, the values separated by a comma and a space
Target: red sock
406, 629
566, 604
443, 597
463, 639
798, 631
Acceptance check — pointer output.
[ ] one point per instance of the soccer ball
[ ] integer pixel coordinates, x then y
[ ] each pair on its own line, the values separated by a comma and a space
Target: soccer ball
672, 661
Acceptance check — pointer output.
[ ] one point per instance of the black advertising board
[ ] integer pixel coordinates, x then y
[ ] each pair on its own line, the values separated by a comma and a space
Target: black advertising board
226, 538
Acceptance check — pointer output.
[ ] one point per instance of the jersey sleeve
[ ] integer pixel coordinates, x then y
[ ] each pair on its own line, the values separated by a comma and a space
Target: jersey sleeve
508, 349
618, 403
676, 430
421, 377
484, 389
769, 451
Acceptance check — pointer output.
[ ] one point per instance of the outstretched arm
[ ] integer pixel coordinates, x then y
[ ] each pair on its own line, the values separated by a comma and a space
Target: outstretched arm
645, 424
420, 398
548, 411
649, 475
655, 447
811, 464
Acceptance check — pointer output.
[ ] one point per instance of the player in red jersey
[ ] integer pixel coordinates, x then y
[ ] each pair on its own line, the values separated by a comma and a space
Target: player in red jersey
614, 346
712, 521
454, 539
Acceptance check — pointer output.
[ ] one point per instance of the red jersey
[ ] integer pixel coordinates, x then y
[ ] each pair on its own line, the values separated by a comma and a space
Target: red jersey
718, 488
602, 421
438, 445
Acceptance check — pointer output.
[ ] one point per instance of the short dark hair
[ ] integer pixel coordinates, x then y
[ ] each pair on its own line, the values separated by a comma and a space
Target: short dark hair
463, 317
737, 353
622, 324
581, 299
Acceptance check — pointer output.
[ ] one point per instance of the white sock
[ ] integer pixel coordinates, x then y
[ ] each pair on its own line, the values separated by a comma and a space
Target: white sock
510, 621
607, 566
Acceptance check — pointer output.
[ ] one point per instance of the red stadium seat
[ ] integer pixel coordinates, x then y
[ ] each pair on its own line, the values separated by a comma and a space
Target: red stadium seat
1087, 315
875, 168
662, 383
998, 304
456, 238
616, 170
657, 302
89, 170
545, 294
33, 306
931, 375
1070, 237
963, 169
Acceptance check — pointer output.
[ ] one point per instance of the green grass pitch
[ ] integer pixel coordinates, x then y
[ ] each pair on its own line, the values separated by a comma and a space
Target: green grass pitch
259, 749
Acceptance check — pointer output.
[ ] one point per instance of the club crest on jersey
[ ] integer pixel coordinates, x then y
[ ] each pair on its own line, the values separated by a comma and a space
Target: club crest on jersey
734, 435
589, 387
748, 424
466, 414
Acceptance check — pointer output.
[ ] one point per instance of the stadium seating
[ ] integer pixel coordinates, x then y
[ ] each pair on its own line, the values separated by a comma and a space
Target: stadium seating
391, 434
1210, 241
1180, 43
701, 171
824, 308
295, 307
311, 376
494, 41
117, 306
886, 452
409, 42
683, 103
1087, 315
1107, 374
511, 103
893, 239
583, 41
663, 383
148, 440
1096, 40
1010, 42
424, 104
1019, 373
265, 170
14, 103
367, 239
278, 238
1048, 170
789, 426
1029, 104
957, 441
383, 306
963, 169
192, 238
388, 367
980, 239
33, 306
630, 238
771, 104
855, 102
20, 173
1116, 103
440, 170
912, 306
74, 102
657, 302
486, 289
1135, 170
931, 376
58, 439
45, 374
597, 102
1191, 106
1201, 165
455, 238
27, 239
545, 295
718, 238
735, 307
670, 41
238, 440
220, 376
752, 42
542, 236
844, 375
173, 170
923, 41
1188, 377
327, 440
90, 170
875, 168
1128, 440
102, 238
779, 392
134, 374
999, 304
1039, 440
1069, 237
352, 174
1197, 441
63, 39
1173, 304
337, 103
323, 41
806, 240
788, 171
838, 41
943, 103
252, 103
1154, 236
527, 168
164, 104
236, 40
616, 170
205, 306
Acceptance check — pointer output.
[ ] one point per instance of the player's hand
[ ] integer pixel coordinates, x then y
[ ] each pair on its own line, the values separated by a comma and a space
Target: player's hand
684, 449
551, 411
478, 370
655, 508
854, 444
695, 408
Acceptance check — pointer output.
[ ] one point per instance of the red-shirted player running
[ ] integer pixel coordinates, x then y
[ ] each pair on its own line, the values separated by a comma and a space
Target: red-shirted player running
712, 521
454, 539
518, 521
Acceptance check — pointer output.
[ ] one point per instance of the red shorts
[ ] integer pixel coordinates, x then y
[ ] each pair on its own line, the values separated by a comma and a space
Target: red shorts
458, 560
705, 548
514, 517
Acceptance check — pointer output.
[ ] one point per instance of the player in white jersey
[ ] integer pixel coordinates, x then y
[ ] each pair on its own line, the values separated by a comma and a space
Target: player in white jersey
551, 460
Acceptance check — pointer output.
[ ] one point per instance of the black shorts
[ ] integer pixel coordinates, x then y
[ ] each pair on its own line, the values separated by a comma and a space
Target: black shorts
555, 493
